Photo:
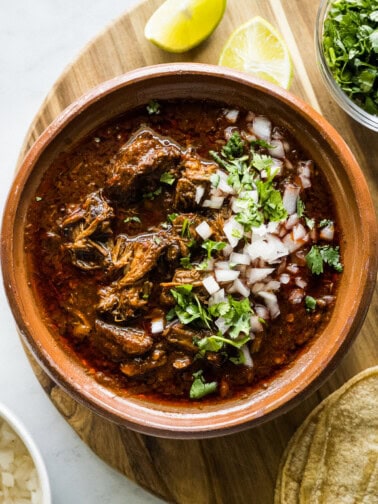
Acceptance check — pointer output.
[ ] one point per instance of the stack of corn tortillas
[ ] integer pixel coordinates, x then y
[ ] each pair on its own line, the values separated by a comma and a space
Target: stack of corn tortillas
333, 456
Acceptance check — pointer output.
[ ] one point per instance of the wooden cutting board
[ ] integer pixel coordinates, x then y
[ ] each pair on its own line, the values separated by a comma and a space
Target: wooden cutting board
239, 468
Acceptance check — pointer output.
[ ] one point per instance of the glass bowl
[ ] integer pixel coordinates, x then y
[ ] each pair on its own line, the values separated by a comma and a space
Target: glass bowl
342, 99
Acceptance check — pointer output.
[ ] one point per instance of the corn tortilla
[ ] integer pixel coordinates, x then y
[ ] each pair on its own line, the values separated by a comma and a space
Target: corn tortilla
333, 456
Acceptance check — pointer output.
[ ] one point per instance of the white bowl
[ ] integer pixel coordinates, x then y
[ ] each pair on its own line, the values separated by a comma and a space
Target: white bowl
23, 434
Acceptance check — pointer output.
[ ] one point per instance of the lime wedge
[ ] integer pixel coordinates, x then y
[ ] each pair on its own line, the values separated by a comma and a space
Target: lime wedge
179, 25
257, 48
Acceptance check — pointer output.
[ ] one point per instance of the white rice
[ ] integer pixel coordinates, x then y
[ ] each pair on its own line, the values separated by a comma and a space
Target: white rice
19, 482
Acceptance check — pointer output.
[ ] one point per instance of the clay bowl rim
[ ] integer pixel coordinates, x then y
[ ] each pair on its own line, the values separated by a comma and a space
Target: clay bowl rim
311, 368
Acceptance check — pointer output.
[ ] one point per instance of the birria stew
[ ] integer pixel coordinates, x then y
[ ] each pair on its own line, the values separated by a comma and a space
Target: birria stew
185, 251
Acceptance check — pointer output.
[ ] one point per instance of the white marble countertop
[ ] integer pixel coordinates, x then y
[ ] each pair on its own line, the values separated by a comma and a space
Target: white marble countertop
38, 39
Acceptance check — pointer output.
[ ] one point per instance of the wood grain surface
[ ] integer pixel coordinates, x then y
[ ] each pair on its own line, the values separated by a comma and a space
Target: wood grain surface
239, 468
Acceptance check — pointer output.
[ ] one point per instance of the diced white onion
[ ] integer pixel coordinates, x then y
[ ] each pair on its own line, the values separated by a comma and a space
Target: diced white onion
226, 275
290, 197
285, 278
277, 149
241, 288
271, 302
270, 249
237, 258
293, 268
300, 282
227, 250
259, 231
273, 285
214, 202
210, 284
291, 244
233, 231
291, 221
157, 325
231, 115
224, 187
256, 325
262, 311
262, 127
247, 356
222, 265
200, 191
306, 181
327, 233
258, 274
296, 296
204, 230
299, 232
217, 297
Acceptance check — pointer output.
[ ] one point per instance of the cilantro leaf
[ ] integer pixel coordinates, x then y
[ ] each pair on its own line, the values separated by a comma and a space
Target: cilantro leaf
325, 223
300, 207
152, 194
212, 246
200, 388
310, 303
350, 45
234, 146
167, 178
320, 254
188, 307
153, 107
185, 262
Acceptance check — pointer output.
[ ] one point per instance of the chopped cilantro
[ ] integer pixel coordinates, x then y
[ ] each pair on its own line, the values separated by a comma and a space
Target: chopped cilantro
152, 195
237, 315
271, 201
157, 240
262, 162
200, 388
325, 223
167, 178
300, 207
172, 216
261, 143
350, 45
310, 223
212, 246
188, 307
153, 107
234, 146
185, 262
320, 254
133, 218
310, 303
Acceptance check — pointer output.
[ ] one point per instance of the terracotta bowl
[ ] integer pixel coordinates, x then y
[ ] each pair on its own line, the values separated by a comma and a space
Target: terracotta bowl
354, 209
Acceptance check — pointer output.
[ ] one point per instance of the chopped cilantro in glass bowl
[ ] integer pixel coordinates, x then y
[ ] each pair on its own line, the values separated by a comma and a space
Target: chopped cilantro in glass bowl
347, 52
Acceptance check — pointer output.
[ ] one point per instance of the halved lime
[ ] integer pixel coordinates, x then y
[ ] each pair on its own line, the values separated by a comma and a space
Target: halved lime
257, 48
180, 25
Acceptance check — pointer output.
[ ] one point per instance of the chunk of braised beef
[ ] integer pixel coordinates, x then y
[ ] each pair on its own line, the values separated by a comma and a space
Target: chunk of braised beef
194, 182
87, 228
143, 158
117, 342
184, 337
124, 303
137, 256
140, 366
